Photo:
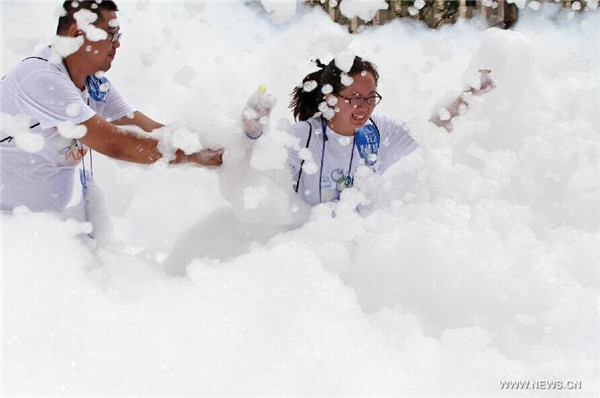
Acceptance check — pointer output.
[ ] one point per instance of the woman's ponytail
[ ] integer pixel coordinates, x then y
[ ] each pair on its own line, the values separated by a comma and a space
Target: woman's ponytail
307, 97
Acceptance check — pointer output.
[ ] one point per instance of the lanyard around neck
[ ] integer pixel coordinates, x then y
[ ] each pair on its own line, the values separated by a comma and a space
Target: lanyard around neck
85, 176
325, 139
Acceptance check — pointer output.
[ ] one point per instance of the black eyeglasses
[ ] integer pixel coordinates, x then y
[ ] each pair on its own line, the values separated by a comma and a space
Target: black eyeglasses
358, 101
116, 36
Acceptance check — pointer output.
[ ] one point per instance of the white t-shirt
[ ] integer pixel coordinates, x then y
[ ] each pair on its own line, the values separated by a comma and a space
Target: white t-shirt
43, 181
333, 158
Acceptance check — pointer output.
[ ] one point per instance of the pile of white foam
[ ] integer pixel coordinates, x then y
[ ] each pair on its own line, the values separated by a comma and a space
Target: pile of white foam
471, 262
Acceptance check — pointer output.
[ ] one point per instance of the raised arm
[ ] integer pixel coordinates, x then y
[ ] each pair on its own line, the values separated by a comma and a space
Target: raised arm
107, 139
255, 117
442, 116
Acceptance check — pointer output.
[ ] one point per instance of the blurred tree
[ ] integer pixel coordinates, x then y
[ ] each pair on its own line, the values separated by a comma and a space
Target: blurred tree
434, 13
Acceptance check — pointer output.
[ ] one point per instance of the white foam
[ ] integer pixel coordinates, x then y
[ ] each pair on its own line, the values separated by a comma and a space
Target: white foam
470, 262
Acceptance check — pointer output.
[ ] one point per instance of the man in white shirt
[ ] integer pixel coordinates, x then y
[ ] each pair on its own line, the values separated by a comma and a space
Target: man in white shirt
66, 95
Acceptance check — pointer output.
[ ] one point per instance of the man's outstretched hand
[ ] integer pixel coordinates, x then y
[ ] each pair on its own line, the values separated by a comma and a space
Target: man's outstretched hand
206, 157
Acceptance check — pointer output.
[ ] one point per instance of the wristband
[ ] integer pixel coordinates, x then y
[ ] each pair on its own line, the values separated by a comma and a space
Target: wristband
252, 137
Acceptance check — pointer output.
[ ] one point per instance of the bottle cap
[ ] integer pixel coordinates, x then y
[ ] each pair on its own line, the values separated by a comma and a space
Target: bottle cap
262, 88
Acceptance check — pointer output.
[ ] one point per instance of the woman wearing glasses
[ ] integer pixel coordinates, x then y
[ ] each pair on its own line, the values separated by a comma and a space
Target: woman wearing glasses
339, 132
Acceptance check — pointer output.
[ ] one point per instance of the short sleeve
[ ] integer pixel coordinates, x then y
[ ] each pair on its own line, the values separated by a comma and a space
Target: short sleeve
116, 106
300, 130
50, 98
395, 140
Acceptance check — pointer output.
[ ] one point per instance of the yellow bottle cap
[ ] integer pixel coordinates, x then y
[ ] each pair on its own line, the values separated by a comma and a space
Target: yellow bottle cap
262, 88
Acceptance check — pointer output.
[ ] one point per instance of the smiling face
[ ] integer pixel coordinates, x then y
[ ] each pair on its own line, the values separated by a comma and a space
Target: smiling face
352, 117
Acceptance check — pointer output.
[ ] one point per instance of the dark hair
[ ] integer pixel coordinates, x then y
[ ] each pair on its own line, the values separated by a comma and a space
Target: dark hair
71, 7
306, 103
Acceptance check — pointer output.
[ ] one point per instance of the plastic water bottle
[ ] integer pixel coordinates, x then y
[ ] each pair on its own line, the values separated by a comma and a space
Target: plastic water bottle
255, 117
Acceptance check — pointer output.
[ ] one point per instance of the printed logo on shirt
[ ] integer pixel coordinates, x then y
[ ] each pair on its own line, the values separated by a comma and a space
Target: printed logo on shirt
337, 174
367, 142
341, 180
344, 182
332, 187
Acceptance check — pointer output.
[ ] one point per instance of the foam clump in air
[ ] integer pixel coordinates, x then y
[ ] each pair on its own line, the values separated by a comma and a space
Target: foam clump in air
309, 86
344, 61
18, 127
185, 75
280, 11
70, 130
365, 10
63, 46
